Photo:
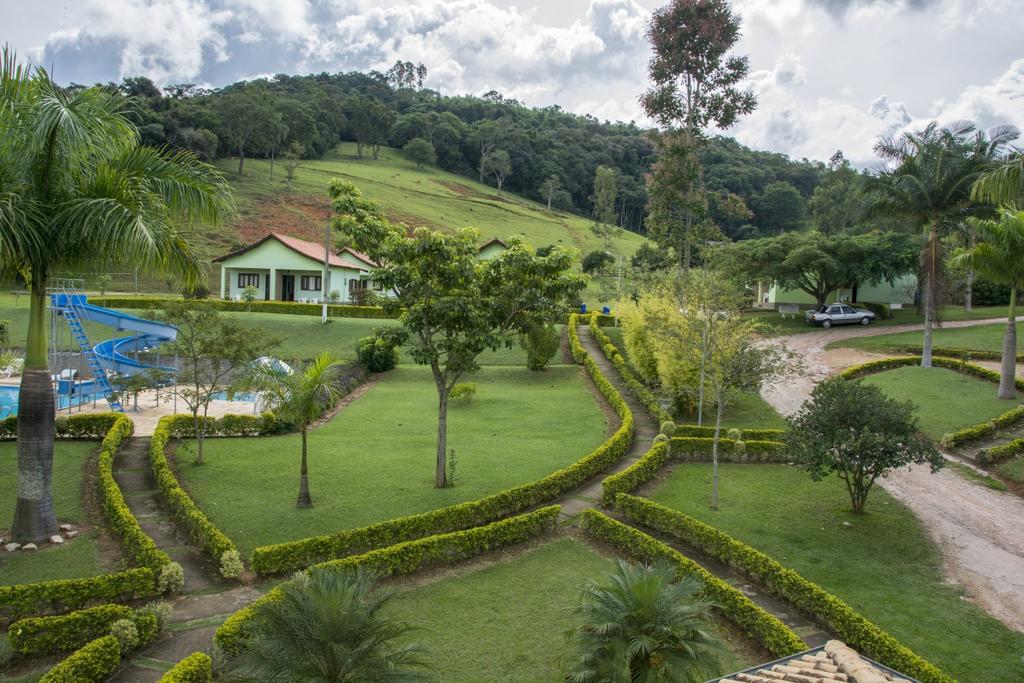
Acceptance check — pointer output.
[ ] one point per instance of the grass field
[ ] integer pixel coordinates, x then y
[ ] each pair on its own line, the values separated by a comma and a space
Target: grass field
507, 621
1012, 469
375, 460
946, 400
883, 565
976, 338
75, 559
796, 325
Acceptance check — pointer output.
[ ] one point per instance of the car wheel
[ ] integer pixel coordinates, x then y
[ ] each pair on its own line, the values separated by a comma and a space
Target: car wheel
826, 324
865, 321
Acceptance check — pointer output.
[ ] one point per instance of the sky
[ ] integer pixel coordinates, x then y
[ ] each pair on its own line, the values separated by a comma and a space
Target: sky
829, 74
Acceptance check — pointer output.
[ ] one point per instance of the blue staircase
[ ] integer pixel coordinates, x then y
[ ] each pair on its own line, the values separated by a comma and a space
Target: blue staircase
68, 299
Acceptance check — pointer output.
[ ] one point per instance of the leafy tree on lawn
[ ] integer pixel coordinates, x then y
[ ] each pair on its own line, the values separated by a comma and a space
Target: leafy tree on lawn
420, 151
249, 294
292, 158
605, 193
779, 209
77, 189
243, 114
541, 343
300, 397
928, 180
855, 431
498, 164
330, 625
644, 625
999, 257
214, 352
452, 305
548, 188
819, 264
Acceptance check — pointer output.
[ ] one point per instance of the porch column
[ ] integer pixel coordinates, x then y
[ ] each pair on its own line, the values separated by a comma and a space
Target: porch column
223, 282
273, 284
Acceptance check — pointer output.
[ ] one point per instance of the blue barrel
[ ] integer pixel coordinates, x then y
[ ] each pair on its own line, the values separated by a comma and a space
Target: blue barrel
583, 308
606, 310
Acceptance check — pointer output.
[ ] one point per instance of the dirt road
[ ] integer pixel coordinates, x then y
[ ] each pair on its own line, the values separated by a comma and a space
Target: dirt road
979, 531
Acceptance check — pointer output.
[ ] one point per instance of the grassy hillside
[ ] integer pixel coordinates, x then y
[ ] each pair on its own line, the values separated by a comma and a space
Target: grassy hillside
429, 197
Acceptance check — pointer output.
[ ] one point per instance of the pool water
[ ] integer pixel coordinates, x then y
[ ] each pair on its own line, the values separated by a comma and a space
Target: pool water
9, 398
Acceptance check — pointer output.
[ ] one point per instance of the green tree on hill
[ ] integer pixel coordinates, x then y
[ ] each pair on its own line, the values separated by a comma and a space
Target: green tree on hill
605, 194
549, 187
420, 151
243, 113
76, 187
498, 164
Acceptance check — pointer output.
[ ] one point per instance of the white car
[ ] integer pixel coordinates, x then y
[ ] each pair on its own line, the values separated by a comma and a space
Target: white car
838, 314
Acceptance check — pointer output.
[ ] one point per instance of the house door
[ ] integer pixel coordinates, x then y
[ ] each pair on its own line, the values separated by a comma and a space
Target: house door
287, 288
266, 287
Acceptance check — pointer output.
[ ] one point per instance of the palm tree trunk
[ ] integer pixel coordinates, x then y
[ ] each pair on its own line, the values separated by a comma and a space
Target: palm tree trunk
34, 517
305, 500
714, 450
930, 293
441, 478
1008, 366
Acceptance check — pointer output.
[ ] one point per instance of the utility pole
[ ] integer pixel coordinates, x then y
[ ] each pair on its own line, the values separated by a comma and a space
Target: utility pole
327, 269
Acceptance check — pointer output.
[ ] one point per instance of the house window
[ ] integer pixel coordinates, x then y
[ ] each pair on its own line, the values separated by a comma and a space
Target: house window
356, 285
311, 283
248, 279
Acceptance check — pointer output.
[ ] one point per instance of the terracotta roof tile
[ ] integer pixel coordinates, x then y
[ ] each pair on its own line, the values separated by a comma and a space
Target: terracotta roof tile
832, 663
308, 249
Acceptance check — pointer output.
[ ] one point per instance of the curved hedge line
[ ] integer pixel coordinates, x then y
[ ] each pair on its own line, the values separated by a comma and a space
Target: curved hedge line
88, 426
294, 555
989, 456
184, 510
181, 426
283, 307
404, 558
196, 668
766, 629
967, 434
831, 612
629, 479
68, 594
698, 449
948, 352
36, 636
632, 380
94, 662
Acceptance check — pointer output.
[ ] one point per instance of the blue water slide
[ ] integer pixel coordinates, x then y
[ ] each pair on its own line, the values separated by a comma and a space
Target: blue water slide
148, 334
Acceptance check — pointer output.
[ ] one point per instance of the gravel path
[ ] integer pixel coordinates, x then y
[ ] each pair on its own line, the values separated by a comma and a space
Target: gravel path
979, 531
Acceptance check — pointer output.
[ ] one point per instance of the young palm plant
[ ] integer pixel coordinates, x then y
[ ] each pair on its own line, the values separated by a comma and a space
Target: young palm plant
999, 257
301, 398
642, 625
929, 181
76, 188
329, 626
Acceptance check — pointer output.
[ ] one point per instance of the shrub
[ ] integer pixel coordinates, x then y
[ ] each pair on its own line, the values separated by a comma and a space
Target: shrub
831, 612
1000, 453
377, 354
733, 434
541, 344
282, 307
643, 470
171, 579
774, 635
92, 663
36, 636
596, 261
668, 428
196, 668
661, 438
463, 392
126, 633
63, 595
629, 377
740, 449
161, 612
698, 449
231, 564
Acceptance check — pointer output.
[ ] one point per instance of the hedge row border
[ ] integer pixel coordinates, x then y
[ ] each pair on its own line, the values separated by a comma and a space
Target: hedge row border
629, 377
279, 307
294, 555
196, 668
834, 614
95, 661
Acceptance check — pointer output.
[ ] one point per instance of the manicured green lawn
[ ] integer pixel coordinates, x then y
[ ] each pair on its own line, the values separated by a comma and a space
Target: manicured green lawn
1013, 469
978, 338
906, 316
946, 400
375, 460
507, 621
884, 565
75, 559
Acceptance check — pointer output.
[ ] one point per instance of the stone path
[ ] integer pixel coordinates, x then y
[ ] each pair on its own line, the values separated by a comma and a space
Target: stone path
203, 603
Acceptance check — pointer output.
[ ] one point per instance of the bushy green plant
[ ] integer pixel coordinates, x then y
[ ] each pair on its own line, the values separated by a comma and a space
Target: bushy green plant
463, 393
126, 633
643, 470
668, 428
171, 578
160, 611
92, 663
733, 434
596, 261
661, 438
63, 595
377, 354
541, 344
231, 564
196, 668
36, 636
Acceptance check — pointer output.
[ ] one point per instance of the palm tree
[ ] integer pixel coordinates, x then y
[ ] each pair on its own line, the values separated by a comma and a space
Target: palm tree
1004, 184
929, 181
643, 626
77, 188
329, 626
999, 256
300, 398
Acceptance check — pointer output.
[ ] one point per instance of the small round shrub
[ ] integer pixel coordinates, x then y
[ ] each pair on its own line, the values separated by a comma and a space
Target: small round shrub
161, 611
668, 428
463, 392
740, 449
171, 579
126, 633
541, 344
376, 354
231, 564
733, 434
660, 438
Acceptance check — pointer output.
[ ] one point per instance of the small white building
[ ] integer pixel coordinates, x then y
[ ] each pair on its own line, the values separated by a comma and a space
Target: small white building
285, 268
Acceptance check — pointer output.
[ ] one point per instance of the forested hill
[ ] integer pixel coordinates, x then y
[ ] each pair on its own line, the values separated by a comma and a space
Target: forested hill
266, 117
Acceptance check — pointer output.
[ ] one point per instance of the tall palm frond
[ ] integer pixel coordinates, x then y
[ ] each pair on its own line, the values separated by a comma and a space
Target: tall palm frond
1003, 185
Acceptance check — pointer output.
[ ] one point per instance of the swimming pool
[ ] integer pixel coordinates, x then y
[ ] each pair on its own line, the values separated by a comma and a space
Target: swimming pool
9, 398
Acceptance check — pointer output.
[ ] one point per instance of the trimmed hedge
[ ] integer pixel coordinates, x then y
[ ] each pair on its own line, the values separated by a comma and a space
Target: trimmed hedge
404, 558
1000, 453
698, 449
93, 663
774, 635
949, 352
37, 636
831, 612
283, 307
631, 379
184, 510
196, 668
181, 426
88, 426
294, 555
70, 594
629, 479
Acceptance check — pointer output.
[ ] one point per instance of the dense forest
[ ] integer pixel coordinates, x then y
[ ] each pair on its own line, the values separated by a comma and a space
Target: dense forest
544, 153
